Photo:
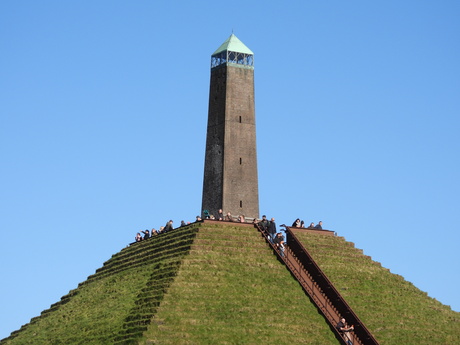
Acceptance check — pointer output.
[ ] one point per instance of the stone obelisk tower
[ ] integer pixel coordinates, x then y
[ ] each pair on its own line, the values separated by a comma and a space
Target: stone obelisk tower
230, 170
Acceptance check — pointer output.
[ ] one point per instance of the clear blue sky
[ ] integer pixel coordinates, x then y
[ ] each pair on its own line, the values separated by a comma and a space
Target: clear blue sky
103, 108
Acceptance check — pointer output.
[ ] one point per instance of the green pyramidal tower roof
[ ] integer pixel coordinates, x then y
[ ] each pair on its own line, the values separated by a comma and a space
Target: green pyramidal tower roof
235, 45
234, 53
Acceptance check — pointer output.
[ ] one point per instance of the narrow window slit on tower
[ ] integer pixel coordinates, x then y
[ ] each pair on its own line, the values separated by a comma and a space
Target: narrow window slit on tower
241, 160
241, 203
240, 119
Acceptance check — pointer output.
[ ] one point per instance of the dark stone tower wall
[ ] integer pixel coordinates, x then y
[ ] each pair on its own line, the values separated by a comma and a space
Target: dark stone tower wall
214, 158
230, 174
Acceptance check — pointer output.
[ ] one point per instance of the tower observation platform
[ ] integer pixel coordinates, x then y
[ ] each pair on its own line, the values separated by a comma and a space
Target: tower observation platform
233, 52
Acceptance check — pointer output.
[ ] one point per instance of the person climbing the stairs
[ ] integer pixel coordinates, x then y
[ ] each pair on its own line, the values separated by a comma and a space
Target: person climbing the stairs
279, 243
343, 328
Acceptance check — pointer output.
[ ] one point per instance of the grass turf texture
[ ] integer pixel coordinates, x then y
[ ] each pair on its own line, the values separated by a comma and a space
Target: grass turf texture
221, 284
393, 309
115, 305
231, 289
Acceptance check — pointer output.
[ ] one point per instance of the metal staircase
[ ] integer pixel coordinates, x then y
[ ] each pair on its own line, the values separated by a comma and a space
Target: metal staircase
320, 289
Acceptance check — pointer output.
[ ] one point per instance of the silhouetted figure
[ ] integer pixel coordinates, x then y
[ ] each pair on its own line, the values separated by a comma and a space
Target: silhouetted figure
264, 223
146, 234
168, 226
319, 226
271, 229
279, 242
296, 223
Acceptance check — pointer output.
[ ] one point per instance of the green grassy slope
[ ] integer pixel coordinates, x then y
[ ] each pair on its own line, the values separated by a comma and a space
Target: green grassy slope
219, 283
228, 289
393, 309
115, 304
232, 290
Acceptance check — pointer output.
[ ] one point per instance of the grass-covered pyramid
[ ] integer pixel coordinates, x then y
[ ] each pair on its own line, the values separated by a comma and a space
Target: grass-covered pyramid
219, 283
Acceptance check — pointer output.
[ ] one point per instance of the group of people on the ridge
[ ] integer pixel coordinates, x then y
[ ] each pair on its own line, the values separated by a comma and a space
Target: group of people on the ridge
228, 217
301, 224
146, 234
150, 233
277, 238
268, 226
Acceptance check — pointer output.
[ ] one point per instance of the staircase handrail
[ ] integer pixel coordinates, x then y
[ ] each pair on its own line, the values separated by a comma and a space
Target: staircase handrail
309, 285
329, 289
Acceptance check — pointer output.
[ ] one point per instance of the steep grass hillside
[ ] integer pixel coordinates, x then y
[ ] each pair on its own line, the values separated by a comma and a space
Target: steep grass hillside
231, 289
393, 309
217, 284
116, 304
